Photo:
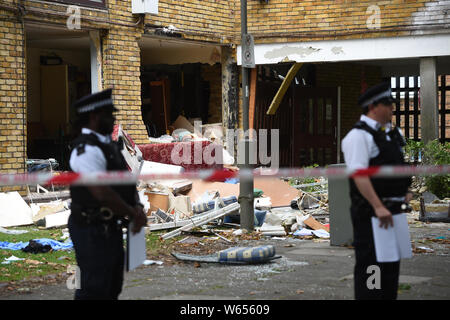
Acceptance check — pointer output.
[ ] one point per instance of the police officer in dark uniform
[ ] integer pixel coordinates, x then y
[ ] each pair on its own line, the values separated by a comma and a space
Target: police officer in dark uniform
373, 142
98, 213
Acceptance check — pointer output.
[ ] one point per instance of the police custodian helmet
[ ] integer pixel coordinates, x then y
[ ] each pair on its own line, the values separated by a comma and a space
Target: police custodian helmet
379, 93
95, 101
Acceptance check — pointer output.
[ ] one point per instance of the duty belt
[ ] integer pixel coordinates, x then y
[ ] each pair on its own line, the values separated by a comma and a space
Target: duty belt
93, 215
394, 199
396, 204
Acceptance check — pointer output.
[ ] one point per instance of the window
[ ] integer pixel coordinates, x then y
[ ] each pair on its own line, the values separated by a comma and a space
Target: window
84, 3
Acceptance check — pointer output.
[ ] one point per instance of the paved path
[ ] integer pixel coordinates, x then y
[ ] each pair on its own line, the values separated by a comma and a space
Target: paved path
307, 270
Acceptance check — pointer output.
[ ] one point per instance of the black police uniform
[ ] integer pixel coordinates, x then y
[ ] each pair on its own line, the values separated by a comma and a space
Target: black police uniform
390, 153
98, 242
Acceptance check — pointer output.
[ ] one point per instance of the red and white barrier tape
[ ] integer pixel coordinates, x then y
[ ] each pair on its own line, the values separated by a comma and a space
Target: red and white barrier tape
123, 177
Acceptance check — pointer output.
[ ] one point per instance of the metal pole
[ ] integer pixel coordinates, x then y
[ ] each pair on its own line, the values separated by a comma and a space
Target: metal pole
246, 187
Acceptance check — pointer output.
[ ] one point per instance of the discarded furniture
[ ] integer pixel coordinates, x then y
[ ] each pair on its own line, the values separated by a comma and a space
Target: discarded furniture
162, 153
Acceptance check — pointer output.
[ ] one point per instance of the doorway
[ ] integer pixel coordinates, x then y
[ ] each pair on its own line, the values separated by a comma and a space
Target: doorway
306, 120
314, 128
58, 74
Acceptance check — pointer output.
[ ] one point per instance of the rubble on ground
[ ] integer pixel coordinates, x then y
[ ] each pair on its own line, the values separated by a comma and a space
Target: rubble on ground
286, 207
177, 210
428, 205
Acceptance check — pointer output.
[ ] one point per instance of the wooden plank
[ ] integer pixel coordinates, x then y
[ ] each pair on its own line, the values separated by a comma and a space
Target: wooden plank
283, 88
176, 186
315, 225
46, 197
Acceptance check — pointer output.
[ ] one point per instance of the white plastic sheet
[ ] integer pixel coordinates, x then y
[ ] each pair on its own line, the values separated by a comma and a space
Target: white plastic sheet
150, 167
14, 210
12, 259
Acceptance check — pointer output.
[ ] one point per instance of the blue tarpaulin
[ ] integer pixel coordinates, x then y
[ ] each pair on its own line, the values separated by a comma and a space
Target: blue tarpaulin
56, 245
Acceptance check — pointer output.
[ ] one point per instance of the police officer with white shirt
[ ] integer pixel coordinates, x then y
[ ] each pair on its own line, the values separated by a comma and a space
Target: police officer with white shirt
98, 213
373, 142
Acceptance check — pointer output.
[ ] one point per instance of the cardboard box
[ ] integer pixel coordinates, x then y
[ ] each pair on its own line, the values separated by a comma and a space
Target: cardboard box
315, 225
158, 200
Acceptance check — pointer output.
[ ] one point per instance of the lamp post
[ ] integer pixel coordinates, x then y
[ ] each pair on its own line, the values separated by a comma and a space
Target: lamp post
246, 186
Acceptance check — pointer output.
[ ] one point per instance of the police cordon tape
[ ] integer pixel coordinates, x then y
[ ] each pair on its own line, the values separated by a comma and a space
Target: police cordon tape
124, 177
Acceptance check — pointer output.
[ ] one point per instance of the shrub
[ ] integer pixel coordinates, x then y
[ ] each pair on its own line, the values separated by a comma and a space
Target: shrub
433, 153
297, 181
414, 151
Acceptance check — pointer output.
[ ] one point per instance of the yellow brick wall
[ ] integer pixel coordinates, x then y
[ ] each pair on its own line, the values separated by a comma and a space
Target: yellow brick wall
207, 20
12, 97
121, 67
212, 20
121, 71
308, 20
56, 13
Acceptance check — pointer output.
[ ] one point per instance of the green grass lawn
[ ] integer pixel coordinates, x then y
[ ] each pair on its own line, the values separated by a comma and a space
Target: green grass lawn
52, 262
55, 262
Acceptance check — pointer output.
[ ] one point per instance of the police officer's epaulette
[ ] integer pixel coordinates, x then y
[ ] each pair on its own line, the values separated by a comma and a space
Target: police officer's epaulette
80, 142
364, 126
397, 136
378, 135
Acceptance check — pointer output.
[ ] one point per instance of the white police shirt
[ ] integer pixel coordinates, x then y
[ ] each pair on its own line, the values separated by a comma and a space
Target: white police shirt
359, 146
92, 160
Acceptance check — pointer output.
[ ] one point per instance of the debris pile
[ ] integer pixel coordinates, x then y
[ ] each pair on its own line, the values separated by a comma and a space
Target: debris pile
279, 209
430, 208
16, 212
287, 207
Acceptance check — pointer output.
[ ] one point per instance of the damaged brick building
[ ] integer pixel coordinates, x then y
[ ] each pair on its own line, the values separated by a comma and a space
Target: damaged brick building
184, 59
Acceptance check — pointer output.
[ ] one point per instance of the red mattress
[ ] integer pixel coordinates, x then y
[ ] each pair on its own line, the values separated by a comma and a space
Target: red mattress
162, 153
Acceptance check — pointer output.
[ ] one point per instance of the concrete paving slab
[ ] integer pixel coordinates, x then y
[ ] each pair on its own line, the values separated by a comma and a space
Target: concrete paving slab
319, 249
322, 252
308, 271
403, 279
